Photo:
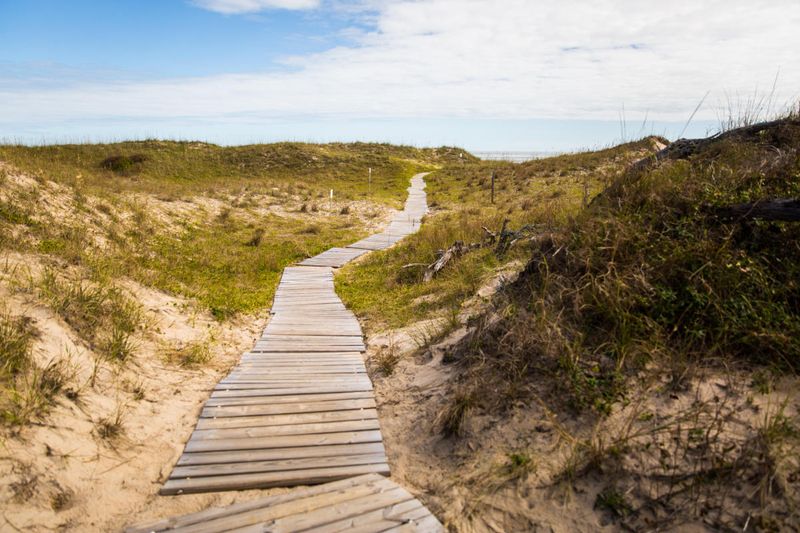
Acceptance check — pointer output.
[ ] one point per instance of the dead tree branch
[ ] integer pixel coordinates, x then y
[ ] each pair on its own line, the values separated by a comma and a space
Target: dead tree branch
502, 241
457, 250
683, 148
781, 209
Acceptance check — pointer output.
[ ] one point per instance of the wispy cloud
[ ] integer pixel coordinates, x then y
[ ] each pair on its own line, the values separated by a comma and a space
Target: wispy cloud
230, 7
479, 59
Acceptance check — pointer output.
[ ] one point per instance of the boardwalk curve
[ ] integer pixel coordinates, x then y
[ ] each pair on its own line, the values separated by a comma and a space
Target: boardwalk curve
299, 409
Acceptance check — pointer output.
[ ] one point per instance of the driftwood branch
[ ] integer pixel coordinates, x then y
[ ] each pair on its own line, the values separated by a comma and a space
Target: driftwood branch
457, 250
491, 236
782, 209
683, 148
502, 241
413, 265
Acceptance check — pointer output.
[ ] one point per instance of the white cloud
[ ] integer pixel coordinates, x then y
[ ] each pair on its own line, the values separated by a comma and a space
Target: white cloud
482, 58
253, 6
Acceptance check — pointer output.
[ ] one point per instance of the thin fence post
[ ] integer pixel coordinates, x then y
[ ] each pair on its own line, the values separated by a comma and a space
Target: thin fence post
585, 191
493, 175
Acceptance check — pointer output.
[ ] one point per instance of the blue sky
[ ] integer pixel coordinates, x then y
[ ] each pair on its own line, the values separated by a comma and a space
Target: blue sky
156, 38
494, 75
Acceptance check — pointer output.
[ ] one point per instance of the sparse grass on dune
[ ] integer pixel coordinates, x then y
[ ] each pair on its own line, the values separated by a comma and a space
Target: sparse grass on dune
648, 272
102, 315
27, 390
387, 287
16, 336
215, 263
634, 326
175, 169
224, 245
216, 260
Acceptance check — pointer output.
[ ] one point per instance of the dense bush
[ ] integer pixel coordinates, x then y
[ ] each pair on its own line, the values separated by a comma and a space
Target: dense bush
123, 163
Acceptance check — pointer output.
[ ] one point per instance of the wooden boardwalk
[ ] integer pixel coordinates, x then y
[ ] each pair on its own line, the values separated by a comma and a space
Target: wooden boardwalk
299, 408
362, 504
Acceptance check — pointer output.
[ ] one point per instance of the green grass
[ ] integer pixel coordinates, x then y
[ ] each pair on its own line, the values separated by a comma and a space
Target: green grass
27, 390
190, 355
175, 169
648, 274
16, 337
102, 315
215, 262
537, 192
381, 289
228, 260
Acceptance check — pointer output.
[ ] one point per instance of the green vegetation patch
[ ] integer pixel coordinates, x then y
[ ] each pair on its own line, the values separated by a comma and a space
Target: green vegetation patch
650, 272
220, 265
388, 286
102, 315
174, 169
27, 390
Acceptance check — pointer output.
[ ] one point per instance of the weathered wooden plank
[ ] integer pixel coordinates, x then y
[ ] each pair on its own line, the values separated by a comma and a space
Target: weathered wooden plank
242, 456
300, 398
316, 428
286, 507
350, 508
308, 386
268, 479
308, 371
282, 379
313, 343
281, 465
281, 441
275, 400
311, 375
322, 365
344, 357
294, 379
280, 420
287, 408
276, 379
313, 330
377, 520
289, 391
238, 508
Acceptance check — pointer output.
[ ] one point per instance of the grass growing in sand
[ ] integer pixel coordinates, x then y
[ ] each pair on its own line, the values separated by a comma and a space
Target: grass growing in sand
101, 314
176, 169
27, 390
649, 348
125, 267
214, 224
387, 287
211, 224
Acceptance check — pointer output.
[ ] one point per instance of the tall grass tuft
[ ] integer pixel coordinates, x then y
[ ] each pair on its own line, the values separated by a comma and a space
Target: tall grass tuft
101, 315
16, 337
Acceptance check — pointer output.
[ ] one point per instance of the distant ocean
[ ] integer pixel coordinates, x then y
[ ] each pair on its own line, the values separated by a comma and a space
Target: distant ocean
515, 156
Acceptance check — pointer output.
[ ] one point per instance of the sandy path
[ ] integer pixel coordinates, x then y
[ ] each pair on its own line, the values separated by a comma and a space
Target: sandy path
255, 374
